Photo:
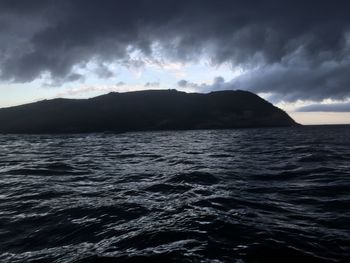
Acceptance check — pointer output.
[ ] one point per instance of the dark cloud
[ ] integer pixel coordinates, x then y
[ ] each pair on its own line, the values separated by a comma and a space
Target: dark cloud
335, 107
293, 82
186, 84
103, 71
218, 84
296, 49
121, 83
152, 84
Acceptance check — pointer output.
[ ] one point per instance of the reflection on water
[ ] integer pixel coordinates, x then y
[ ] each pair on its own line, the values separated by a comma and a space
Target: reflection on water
255, 195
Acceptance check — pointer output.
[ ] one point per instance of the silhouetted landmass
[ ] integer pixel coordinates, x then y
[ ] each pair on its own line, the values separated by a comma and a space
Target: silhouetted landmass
144, 110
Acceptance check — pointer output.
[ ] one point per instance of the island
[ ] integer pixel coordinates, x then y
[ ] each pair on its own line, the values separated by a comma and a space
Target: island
147, 110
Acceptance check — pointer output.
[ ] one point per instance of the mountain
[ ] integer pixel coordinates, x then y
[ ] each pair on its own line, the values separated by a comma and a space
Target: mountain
144, 110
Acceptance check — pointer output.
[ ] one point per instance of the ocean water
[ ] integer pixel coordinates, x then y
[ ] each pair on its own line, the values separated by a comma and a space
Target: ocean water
250, 195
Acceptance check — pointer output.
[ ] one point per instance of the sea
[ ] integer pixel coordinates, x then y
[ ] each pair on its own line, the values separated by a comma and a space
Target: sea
242, 195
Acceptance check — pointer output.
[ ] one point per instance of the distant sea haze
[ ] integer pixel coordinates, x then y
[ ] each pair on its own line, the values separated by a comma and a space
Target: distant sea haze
235, 195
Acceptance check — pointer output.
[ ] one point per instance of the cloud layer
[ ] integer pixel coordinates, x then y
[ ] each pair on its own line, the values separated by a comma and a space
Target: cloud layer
294, 49
335, 107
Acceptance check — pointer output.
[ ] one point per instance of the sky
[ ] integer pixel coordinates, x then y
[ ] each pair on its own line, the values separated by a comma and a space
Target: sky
295, 54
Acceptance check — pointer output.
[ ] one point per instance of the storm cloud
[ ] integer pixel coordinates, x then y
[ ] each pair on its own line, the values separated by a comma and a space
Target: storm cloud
293, 82
294, 49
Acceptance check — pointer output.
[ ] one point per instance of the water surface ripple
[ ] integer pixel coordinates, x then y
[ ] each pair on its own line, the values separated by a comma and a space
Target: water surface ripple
254, 195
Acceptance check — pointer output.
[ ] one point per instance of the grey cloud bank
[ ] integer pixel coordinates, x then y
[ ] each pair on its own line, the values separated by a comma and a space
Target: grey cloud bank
335, 107
293, 49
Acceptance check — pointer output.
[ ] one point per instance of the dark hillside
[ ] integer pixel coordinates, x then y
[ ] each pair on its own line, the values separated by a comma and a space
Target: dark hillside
144, 110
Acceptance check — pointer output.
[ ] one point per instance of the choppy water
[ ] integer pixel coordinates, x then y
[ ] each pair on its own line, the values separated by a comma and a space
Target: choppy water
255, 195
